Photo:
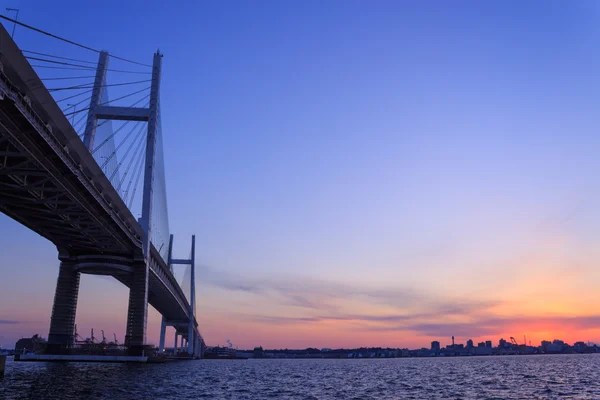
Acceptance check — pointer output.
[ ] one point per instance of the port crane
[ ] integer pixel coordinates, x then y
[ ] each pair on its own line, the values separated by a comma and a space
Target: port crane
77, 337
518, 348
78, 340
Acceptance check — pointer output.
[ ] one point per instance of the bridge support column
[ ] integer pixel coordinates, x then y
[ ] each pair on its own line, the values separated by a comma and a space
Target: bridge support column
200, 347
163, 331
137, 314
62, 322
196, 346
190, 341
175, 345
192, 327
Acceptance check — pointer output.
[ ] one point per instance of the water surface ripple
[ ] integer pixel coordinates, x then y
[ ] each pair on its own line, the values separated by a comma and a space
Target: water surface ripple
516, 377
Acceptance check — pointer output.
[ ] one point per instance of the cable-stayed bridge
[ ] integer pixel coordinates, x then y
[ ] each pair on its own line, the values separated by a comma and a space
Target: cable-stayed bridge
86, 171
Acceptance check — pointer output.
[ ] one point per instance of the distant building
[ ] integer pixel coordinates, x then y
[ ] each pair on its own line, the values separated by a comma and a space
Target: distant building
488, 343
258, 352
481, 344
545, 344
34, 343
502, 343
580, 347
435, 346
557, 346
482, 350
554, 348
469, 344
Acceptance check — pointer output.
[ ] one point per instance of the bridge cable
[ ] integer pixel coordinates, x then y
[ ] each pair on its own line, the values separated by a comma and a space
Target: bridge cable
160, 228
132, 105
129, 61
136, 171
114, 133
79, 128
131, 161
58, 57
87, 85
136, 139
79, 67
66, 68
111, 136
75, 95
137, 180
60, 62
114, 152
126, 96
14, 21
81, 118
78, 103
67, 77
107, 102
66, 40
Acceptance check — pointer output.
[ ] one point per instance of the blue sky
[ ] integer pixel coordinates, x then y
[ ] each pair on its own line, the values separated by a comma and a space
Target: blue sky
437, 147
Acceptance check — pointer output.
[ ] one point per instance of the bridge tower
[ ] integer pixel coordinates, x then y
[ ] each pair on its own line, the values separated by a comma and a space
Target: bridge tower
193, 339
62, 322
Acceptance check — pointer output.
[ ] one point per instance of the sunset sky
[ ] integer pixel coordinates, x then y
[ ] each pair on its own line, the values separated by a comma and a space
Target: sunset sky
357, 173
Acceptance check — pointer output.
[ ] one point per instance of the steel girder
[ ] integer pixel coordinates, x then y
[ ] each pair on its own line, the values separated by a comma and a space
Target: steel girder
35, 192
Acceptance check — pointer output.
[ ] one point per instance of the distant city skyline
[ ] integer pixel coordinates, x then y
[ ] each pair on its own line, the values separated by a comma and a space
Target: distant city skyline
356, 173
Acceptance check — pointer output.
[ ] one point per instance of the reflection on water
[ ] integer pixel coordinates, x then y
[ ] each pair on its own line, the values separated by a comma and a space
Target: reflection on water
517, 377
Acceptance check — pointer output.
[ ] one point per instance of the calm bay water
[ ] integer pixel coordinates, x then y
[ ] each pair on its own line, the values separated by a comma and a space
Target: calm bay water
516, 377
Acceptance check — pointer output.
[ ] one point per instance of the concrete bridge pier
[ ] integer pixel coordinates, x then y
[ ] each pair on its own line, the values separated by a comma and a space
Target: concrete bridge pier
62, 322
163, 331
137, 313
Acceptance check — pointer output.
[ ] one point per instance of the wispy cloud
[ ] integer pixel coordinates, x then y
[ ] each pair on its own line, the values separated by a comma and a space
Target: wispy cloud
299, 289
386, 322
419, 325
303, 301
323, 301
317, 294
484, 326
278, 320
9, 322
